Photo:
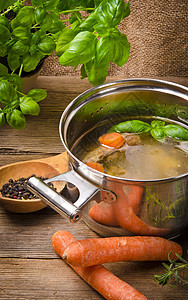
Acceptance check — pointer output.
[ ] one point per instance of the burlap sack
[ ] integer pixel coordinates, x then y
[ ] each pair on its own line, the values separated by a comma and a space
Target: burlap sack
157, 32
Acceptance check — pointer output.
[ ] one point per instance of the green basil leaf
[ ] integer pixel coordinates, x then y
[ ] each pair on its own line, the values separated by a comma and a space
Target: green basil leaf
29, 107
2, 118
13, 61
75, 25
97, 2
19, 48
33, 49
131, 126
120, 48
4, 34
37, 3
3, 49
46, 45
21, 31
50, 4
14, 104
83, 72
111, 12
4, 4
103, 50
36, 37
40, 14
97, 69
96, 72
55, 15
63, 42
10, 43
25, 16
176, 132
3, 70
102, 29
157, 123
74, 17
46, 23
16, 81
16, 119
57, 26
126, 11
65, 5
37, 94
89, 23
158, 134
30, 62
81, 49
4, 21
7, 92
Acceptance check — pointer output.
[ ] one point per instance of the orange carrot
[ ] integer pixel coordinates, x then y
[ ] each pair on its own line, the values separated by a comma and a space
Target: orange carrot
113, 139
103, 213
128, 220
102, 280
95, 166
90, 252
133, 194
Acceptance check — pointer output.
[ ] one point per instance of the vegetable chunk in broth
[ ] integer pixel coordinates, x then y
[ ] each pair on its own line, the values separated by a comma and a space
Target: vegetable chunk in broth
152, 150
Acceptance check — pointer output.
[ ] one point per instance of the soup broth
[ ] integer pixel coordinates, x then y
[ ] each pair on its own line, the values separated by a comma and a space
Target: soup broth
140, 158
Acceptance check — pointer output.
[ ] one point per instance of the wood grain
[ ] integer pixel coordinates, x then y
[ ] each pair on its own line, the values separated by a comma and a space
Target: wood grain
29, 267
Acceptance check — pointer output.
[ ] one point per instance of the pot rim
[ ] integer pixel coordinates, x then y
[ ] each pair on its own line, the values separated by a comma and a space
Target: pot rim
104, 175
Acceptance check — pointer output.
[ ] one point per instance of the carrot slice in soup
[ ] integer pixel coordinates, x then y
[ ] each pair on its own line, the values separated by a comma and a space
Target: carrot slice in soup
113, 139
95, 166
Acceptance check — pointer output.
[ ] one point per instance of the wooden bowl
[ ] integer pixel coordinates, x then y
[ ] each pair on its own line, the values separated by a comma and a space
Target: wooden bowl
42, 168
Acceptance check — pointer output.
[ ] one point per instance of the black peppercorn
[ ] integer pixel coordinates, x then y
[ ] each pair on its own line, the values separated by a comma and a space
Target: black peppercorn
17, 189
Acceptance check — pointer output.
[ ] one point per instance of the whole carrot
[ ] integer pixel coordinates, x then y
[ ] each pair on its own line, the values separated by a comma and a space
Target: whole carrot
98, 277
90, 252
127, 218
133, 194
113, 139
103, 212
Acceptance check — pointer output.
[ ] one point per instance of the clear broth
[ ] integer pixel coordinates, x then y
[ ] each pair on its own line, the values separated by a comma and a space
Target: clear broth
149, 160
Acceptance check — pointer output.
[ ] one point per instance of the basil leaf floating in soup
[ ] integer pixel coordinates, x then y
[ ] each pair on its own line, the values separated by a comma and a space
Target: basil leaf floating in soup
131, 126
176, 132
157, 123
158, 134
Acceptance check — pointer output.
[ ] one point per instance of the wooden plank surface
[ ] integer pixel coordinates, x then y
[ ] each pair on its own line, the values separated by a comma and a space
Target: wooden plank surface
29, 267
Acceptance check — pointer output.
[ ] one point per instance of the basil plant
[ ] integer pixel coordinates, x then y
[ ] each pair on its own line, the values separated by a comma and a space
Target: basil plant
82, 33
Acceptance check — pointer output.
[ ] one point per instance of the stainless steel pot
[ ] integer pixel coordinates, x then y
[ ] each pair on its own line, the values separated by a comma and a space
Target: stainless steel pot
163, 207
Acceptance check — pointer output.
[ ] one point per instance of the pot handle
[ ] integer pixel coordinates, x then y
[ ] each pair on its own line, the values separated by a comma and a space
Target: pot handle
59, 203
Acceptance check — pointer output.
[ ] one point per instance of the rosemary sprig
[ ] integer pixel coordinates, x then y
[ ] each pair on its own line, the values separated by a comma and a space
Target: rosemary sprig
173, 271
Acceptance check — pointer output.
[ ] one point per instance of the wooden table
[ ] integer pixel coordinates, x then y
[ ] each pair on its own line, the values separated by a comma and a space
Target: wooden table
29, 267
